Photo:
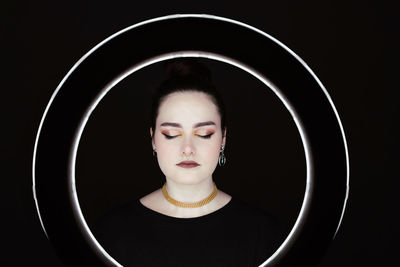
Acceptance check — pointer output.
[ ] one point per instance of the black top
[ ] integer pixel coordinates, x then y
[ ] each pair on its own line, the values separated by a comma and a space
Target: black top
234, 235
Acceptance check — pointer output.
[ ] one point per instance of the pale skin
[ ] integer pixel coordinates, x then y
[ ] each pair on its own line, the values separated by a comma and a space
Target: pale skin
188, 127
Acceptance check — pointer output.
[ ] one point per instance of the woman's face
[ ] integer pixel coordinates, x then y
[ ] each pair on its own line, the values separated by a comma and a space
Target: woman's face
188, 128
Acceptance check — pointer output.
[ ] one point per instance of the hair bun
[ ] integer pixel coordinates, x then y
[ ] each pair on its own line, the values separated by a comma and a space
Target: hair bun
183, 67
186, 74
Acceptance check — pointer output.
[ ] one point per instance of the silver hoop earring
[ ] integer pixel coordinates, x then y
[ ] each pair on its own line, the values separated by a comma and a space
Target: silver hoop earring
222, 158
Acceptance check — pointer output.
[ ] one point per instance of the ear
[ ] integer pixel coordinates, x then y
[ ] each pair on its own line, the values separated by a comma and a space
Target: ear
151, 136
224, 138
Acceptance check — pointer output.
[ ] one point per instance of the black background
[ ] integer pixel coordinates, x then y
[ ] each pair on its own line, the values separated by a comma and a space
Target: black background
351, 46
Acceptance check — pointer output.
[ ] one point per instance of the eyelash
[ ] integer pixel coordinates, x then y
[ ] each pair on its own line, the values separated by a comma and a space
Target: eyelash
208, 136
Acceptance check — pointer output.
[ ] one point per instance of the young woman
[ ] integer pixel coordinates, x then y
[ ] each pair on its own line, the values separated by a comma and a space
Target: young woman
189, 221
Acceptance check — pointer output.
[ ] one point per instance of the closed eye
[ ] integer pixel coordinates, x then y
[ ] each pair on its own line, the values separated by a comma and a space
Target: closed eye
205, 136
169, 136
208, 136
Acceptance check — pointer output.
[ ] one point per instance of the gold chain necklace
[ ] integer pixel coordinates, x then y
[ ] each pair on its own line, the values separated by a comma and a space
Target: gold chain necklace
189, 205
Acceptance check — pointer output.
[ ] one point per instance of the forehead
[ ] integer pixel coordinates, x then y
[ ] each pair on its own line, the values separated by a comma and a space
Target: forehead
188, 106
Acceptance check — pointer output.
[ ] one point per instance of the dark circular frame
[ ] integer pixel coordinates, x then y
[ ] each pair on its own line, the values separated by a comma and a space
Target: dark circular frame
191, 35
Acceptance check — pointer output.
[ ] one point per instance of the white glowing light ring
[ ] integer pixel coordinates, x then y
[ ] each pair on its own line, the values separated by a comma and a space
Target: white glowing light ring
59, 134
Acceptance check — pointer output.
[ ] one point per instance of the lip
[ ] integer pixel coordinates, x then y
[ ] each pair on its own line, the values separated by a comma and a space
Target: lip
188, 164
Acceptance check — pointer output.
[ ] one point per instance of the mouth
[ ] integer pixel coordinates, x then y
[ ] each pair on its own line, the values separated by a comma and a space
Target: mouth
188, 164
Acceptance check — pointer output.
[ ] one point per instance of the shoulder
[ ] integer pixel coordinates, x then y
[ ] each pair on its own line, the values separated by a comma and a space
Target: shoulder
116, 228
117, 219
154, 201
258, 218
267, 228
252, 211
151, 198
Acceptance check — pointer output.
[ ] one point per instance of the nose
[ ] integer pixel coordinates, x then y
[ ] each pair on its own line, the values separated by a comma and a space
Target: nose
188, 149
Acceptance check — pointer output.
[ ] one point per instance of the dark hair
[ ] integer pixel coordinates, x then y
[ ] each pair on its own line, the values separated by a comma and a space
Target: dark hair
186, 74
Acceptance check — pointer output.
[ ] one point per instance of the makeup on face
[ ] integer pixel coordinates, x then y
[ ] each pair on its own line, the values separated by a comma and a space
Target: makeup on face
172, 133
188, 164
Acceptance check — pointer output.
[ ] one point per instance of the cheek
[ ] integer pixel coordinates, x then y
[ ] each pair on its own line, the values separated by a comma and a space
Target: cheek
211, 151
165, 158
166, 149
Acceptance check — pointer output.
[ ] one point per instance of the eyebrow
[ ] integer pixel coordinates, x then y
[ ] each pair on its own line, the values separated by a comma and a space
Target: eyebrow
199, 124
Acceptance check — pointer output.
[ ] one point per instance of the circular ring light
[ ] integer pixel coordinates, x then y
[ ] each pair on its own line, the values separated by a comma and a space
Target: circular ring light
204, 36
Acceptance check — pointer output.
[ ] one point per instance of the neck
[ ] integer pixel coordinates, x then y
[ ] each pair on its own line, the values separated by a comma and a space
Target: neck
189, 192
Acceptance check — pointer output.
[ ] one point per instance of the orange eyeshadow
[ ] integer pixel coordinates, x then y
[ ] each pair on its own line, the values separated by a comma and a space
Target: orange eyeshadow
207, 132
167, 132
